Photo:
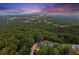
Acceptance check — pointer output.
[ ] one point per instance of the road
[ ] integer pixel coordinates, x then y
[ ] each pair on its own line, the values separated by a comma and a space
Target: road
35, 48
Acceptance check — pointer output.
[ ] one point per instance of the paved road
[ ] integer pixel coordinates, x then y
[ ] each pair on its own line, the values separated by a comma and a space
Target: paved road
75, 47
36, 48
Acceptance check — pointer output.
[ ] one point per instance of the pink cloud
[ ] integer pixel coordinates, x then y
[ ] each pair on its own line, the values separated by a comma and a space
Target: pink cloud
62, 9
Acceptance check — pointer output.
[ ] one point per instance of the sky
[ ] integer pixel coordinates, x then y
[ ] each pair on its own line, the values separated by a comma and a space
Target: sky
45, 8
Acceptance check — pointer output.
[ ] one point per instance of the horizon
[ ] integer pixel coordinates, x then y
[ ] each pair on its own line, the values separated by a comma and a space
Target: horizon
40, 8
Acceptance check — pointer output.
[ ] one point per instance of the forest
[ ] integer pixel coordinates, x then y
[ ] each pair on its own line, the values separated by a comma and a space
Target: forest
55, 36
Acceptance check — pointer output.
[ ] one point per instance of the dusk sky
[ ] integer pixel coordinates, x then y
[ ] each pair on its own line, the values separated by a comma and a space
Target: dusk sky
24, 8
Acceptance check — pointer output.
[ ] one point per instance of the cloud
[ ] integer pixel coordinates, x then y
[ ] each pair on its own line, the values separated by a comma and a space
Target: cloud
62, 8
41, 8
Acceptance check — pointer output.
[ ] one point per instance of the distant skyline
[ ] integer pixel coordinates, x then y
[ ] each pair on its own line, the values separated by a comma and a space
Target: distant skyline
43, 8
